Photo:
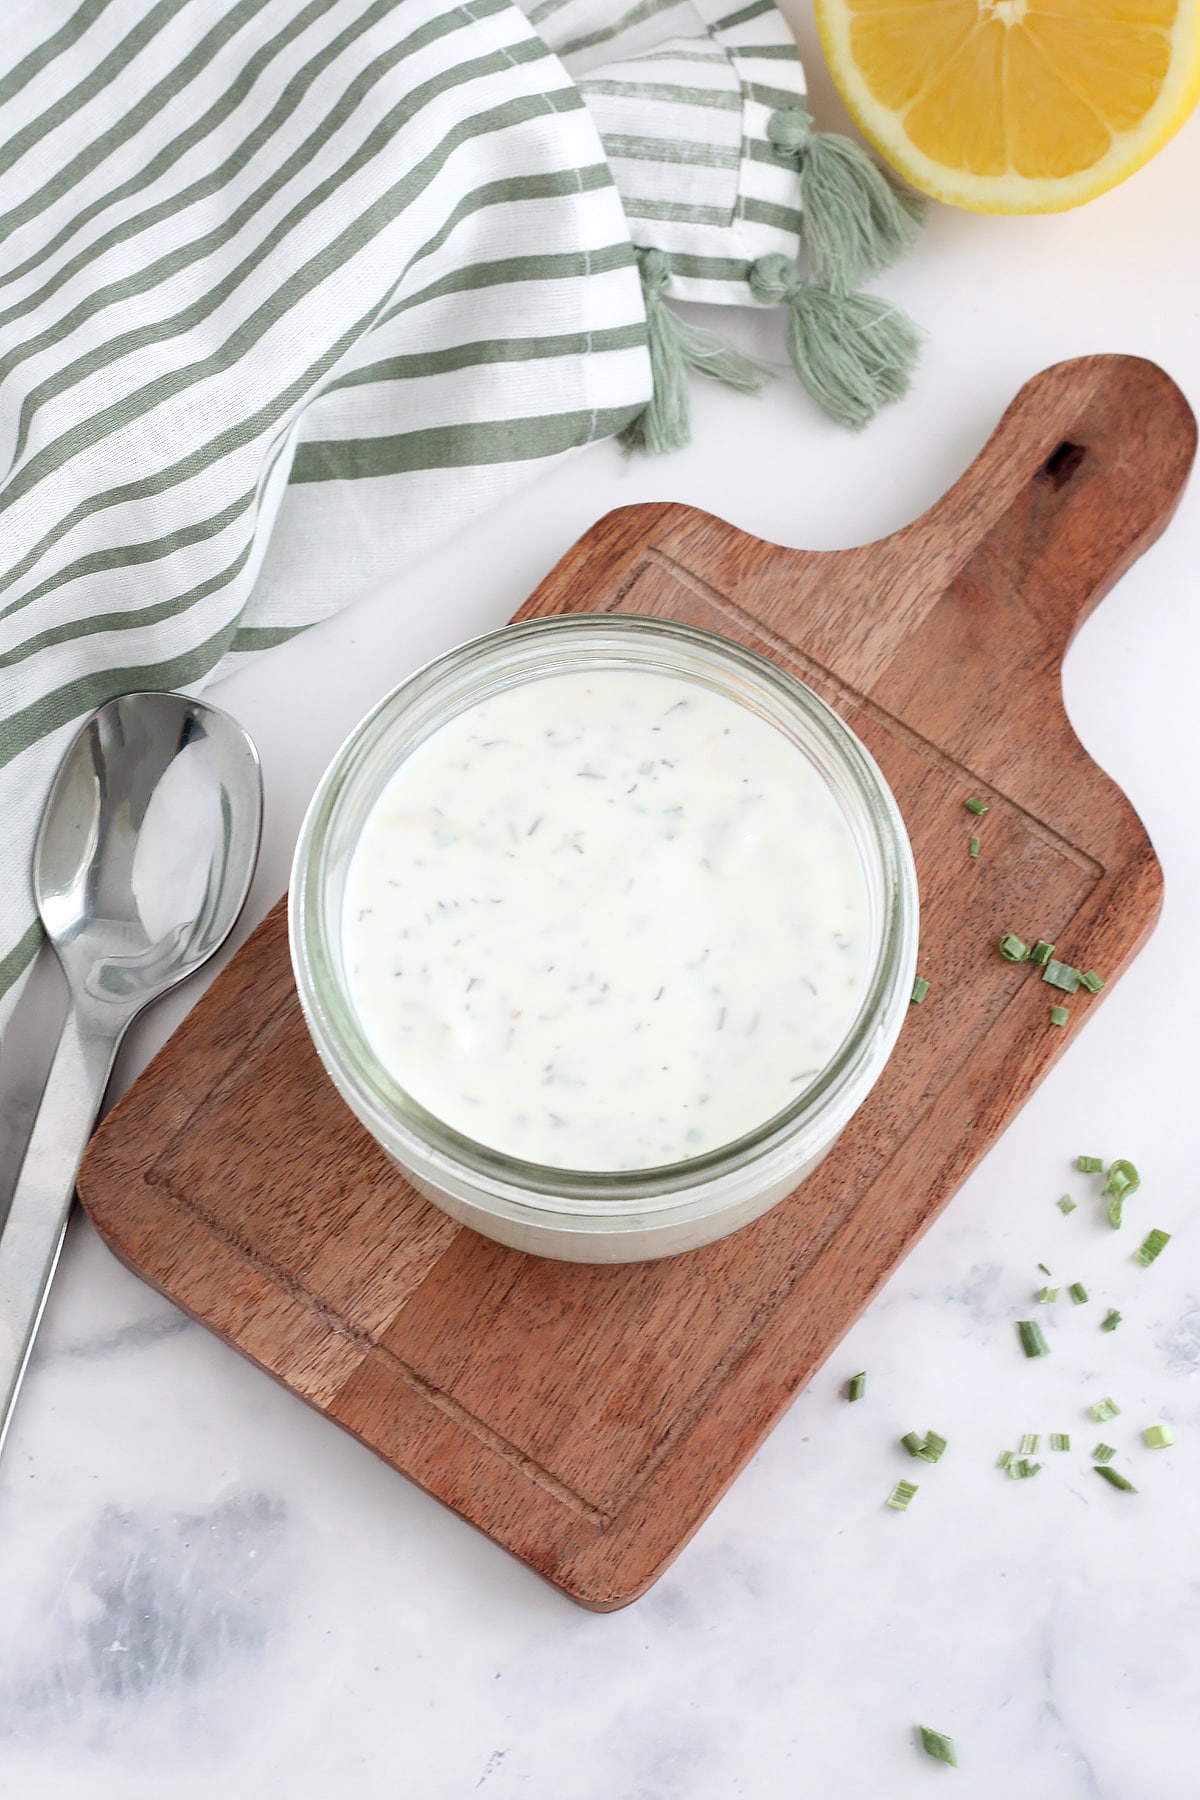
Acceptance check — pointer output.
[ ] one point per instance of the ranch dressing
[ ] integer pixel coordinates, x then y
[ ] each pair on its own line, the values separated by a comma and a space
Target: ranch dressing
605, 920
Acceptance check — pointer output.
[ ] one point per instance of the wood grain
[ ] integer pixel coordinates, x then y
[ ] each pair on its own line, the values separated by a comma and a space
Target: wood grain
588, 1418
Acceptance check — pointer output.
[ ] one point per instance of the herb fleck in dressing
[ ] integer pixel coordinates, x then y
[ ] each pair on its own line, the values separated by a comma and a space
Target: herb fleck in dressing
605, 920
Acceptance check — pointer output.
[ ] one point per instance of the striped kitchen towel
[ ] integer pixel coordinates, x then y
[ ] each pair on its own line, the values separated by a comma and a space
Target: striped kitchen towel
290, 290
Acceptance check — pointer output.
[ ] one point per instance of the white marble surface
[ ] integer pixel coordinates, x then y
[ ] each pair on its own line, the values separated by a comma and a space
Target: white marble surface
206, 1589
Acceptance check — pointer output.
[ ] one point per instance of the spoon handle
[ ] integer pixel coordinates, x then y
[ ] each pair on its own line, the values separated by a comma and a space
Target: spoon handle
32, 1234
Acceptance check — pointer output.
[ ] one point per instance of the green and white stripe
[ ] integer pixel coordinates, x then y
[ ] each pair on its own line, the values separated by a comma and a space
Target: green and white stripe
290, 289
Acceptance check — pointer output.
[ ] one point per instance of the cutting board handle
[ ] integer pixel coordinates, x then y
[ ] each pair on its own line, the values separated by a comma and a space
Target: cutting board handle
1083, 471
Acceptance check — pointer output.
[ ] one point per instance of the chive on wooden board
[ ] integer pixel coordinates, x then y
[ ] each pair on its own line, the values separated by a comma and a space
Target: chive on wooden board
588, 1419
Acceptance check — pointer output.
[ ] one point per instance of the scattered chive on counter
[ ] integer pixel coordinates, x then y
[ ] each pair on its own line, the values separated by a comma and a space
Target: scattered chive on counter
1091, 981
1044, 1269
976, 806
1014, 949
1065, 1204
929, 1448
973, 847
1059, 1015
1115, 1478
1078, 1293
1103, 1453
1101, 1410
938, 1745
901, 1495
1111, 1320
1033, 1343
1159, 1437
1006, 1459
1047, 1296
1023, 1469
1061, 975
1060, 1440
856, 1387
1152, 1246
1089, 1165
1121, 1180
920, 989
1041, 953
1031, 1443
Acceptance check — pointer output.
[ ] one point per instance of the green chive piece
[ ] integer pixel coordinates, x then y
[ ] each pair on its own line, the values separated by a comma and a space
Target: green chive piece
1047, 1295
1159, 1437
1089, 1165
1060, 1440
938, 1745
978, 807
1059, 1015
1104, 1409
935, 1446
1122, 1180
1043, 1268
1041, 953
973, 847
901, 1495
1061, 975
1031, 1443
1032, 1341
1023, 1469
920, 989
1013, 948
1115, 1478
856, 1387
1091, 981
1078, 1293
1154, 1244
1065, 1205
1103, 1453
1005, 1459
1111, 1320
913, 1442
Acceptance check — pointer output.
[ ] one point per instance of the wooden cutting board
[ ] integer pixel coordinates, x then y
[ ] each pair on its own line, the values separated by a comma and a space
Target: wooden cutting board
588, 1418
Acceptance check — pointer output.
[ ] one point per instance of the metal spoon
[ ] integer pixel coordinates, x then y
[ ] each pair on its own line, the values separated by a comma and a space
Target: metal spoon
142, 865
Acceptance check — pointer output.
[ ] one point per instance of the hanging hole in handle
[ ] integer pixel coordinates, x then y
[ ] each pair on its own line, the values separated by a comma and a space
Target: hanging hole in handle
1062, 463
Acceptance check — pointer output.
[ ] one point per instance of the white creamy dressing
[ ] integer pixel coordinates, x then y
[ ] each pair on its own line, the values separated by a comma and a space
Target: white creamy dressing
605, 920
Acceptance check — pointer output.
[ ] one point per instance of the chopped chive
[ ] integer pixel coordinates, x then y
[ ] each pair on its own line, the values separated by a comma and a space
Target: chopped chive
901, 1495
1122, 1179
978, 807
1005, 1459
1043, 1268
1059, 1015
938, 1745
1065, 1204
1032, 1341
1103, 1453
1061, 975
973, 847
1078, 1293
1104, 1409
1060, 1440
856, 1387
1089, 1165
1115, 1478
1041, 953
1031, 1443
1159, 1437
1013, 949
1111, 1320
1153, 1245
1023, 1469
1047, 1296
913, 1442
935, 1445
920, 989
1091, 981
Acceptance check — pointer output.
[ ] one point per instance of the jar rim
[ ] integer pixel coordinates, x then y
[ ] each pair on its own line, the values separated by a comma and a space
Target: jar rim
530, 651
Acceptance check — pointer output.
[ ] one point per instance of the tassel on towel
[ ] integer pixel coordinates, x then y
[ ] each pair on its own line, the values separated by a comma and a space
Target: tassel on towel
856, 219
853, 352
675, 348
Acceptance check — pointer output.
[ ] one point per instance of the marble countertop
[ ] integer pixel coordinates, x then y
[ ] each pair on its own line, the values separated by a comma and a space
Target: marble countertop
208, 1589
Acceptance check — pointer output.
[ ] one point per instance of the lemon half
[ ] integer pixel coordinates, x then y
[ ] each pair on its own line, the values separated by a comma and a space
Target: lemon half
1015, 106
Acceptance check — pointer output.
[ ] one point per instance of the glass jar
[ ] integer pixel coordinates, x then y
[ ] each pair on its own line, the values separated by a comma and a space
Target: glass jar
578, 1215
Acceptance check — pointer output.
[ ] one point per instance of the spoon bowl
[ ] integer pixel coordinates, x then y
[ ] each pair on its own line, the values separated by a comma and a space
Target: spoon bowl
142, 865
